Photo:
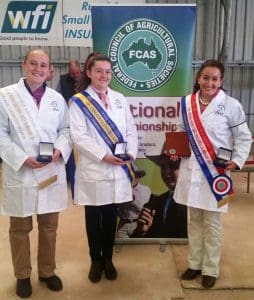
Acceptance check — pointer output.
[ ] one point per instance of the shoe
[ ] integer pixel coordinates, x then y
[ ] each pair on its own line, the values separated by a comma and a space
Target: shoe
54, 283
110, 270
190, 274
95, 272
24, 288
208, 281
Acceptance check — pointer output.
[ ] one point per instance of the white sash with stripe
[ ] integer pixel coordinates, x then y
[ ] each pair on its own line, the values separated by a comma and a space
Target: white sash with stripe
27, 130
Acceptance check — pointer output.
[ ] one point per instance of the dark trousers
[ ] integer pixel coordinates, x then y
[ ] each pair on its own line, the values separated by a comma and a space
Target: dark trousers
70, 172
101, 229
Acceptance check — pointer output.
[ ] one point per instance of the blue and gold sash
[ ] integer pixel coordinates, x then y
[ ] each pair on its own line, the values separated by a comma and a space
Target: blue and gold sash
219, 182
106, 128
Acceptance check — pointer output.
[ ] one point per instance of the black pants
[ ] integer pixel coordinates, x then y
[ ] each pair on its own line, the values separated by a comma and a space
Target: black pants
101, 229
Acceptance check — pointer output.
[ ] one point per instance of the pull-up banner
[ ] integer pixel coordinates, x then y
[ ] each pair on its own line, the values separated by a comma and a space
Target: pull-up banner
151, 48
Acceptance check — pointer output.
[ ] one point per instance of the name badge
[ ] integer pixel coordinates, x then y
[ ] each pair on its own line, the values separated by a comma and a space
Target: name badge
120, 151
223, 156
45, 152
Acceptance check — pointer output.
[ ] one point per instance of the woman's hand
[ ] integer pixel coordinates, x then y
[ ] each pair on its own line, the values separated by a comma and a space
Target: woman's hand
231, 165
56, 155
174, 157
113, 160
32, 163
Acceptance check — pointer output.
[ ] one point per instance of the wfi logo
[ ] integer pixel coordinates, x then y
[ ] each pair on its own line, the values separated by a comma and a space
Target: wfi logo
143, 54
29, 17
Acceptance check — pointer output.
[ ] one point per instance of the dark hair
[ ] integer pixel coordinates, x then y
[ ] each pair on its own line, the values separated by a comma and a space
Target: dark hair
89, 63
83, 81
208, 63
88, 59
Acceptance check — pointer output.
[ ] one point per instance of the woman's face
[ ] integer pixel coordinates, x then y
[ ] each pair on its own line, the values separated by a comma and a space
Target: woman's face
209, 80
36, 68
100, 75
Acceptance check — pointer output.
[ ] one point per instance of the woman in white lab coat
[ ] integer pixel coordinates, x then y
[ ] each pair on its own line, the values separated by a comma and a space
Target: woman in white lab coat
30, 113
101, 179
223, 120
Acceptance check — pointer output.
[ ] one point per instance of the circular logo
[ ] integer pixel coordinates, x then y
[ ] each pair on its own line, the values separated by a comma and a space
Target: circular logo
222, 184
172, 151
143, 54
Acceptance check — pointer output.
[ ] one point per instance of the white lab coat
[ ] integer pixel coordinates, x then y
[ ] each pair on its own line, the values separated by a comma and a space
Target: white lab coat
224, 122
21, 196
98, 182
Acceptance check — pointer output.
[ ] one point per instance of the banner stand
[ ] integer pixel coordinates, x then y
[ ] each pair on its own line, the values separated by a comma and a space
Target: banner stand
151, 50
162, 242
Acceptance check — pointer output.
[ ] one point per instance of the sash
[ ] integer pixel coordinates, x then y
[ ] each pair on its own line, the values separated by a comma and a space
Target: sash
27, 131
105, 127
219, 182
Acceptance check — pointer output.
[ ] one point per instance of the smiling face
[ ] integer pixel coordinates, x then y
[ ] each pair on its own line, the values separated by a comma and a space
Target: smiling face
100, 75
36, 68
210, 80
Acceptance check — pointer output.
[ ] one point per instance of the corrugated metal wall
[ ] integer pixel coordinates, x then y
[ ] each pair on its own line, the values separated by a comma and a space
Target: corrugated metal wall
12, 56
237, 46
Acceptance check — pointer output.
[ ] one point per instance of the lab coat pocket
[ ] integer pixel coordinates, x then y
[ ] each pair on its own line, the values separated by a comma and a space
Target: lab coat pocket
23, 177
93, 171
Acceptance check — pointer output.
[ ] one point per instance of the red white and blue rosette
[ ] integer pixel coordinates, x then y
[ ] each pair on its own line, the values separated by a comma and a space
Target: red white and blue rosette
222, 185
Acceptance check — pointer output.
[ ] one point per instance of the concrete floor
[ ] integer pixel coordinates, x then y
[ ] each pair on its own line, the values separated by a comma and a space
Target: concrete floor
144, 271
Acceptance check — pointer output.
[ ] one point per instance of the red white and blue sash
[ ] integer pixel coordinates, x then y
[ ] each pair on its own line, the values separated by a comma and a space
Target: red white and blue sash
219, 182
106, 128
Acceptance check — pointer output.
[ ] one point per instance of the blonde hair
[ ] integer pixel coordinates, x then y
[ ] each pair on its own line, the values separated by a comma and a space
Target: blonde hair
36, 50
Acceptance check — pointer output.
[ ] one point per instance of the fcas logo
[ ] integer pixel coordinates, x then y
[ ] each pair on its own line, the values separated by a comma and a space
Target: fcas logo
143, 54
29, 17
